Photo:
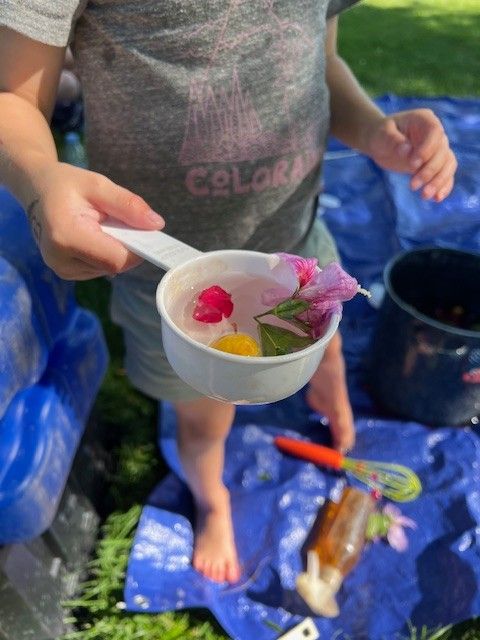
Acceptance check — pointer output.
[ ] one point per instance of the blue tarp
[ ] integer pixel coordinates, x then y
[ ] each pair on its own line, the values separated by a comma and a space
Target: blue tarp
53, 357
275, 499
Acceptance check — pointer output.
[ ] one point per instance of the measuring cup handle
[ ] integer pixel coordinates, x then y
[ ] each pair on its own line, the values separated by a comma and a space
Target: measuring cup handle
155, 246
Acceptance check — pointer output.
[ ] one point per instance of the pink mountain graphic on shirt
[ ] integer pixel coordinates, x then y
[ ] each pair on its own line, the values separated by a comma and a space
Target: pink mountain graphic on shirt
223, 125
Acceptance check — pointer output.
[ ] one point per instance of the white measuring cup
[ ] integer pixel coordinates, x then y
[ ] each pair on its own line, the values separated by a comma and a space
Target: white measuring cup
224, 376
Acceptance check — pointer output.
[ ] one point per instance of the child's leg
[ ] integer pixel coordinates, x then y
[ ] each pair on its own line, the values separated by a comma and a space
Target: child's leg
203, 425
328, 394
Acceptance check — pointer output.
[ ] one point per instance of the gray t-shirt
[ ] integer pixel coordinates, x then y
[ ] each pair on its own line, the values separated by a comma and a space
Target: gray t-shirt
216, 112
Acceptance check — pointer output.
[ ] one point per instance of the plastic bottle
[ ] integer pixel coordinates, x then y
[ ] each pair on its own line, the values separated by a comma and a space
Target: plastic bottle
73, 150
334, 550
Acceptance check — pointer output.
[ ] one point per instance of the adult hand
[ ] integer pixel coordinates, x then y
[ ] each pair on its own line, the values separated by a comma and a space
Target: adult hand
414, 142
65, 216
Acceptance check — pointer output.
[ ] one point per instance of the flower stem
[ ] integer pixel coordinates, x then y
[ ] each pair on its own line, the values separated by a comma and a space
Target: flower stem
265, 313
364, 292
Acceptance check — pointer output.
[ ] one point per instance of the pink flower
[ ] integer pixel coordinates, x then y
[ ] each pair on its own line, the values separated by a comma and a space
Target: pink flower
325, 292
330, 284
213, 304
322, 287
318, 317
304, 268
275, 295
396, 535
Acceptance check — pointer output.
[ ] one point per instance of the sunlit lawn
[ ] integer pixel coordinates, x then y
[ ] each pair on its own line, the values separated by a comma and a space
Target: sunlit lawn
425, 47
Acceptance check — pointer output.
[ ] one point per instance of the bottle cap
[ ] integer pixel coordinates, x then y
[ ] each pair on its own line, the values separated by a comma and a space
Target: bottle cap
319, 586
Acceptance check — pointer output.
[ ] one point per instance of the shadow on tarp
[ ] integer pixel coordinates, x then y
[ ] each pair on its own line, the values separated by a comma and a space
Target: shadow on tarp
275, 499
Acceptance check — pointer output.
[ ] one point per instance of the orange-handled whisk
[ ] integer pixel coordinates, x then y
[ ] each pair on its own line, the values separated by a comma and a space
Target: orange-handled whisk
394, 481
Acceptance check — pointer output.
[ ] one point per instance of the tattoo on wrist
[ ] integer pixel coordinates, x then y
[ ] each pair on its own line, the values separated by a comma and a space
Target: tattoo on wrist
34, 220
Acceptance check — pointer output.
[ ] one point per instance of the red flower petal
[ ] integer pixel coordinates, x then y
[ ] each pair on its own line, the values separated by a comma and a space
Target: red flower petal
213, 304
206, 313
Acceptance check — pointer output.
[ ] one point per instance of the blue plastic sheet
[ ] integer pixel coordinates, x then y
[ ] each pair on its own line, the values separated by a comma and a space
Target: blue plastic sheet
37, 307
53, 357
41, 429
275, 499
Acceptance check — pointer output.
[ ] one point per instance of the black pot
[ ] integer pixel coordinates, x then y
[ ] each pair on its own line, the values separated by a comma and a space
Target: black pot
425, 359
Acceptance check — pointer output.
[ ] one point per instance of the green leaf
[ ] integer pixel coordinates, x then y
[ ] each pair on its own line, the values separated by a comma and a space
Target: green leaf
378, 525
290, 308
277, 341
303, 326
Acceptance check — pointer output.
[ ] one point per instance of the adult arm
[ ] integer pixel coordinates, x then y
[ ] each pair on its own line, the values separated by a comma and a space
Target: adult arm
65, 204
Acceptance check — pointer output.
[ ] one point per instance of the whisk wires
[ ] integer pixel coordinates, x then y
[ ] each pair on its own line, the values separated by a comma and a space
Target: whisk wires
394, 481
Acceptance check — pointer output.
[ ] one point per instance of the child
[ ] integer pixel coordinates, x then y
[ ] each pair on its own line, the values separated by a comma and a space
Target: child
215, 114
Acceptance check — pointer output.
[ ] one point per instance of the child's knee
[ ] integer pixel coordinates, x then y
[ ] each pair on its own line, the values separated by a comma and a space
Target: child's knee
205, 419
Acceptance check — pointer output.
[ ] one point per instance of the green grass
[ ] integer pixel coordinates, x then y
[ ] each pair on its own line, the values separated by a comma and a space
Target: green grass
99, 609
127, 418
424, 47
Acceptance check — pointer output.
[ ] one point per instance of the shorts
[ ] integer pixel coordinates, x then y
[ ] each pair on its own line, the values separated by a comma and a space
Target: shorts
133, 308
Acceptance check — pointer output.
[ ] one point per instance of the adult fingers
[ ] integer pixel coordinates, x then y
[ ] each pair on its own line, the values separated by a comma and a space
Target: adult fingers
80, 271
122, 204
86, 245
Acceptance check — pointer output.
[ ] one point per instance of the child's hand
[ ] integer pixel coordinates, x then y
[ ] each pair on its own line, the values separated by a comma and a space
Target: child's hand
65, 218
414, 142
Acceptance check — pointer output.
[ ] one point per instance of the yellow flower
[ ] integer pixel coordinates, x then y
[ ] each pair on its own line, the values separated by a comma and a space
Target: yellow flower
239, 344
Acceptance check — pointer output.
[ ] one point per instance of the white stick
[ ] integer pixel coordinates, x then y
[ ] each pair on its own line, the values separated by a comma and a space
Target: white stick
155, 246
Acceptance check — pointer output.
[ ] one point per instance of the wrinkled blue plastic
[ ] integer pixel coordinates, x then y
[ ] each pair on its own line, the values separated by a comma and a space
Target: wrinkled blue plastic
37, 307
41, 429
275, 499
52, 298
379, 211
52, 360
24, 352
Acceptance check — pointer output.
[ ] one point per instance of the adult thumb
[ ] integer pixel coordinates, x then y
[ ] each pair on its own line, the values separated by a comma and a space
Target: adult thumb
120, 203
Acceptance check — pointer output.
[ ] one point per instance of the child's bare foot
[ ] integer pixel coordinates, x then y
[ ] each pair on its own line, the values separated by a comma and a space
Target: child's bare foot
203, 426
214, 551
328, 395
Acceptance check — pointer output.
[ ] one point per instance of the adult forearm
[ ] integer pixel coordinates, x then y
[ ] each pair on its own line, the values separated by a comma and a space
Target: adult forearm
26, 146
353, 113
